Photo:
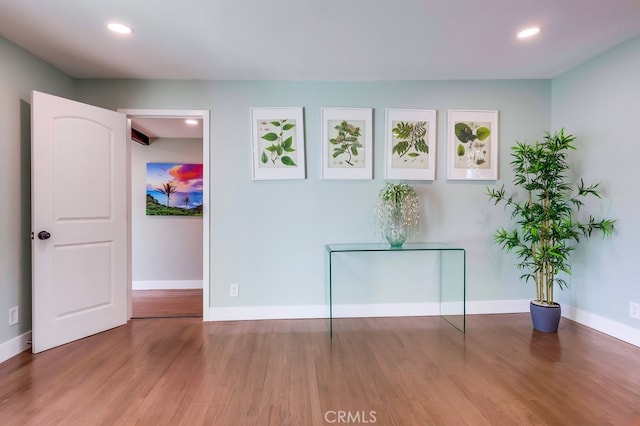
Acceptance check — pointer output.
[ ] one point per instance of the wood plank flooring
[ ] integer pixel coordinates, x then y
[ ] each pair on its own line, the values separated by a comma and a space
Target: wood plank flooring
383, 371
167, 303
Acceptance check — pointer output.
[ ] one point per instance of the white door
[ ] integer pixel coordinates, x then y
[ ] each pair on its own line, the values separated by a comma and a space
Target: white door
79, 220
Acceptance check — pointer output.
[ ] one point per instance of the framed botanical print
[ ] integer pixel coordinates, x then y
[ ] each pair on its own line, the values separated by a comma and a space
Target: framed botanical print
347, 143
410, 148
278, 143
472, 145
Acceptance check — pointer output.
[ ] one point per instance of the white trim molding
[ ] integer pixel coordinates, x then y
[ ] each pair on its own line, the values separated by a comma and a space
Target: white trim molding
322, 311
15, 346
498, 306
241, 313
607, 326
386, 310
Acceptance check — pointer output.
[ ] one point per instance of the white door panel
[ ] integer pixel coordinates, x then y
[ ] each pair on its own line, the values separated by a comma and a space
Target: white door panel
79, 189
82, 169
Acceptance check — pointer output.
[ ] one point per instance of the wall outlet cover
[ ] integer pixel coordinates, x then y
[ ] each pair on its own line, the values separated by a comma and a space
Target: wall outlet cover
233, 290
13, 315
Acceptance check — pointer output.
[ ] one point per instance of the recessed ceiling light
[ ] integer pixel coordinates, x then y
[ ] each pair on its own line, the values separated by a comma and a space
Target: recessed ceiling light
529, 32
191, 121
120, 28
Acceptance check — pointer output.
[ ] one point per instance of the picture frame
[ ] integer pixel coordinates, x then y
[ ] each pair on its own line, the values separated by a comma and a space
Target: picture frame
472, 144
347, 143
174, 189
410, 148
278, 145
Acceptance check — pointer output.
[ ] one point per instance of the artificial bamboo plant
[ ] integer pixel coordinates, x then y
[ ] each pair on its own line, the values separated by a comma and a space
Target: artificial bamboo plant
547, 227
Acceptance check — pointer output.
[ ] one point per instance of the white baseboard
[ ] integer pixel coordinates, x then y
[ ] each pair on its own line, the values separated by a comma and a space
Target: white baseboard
498, 306
166, 285
605, 325
386, 310
267, 312
322, 311
14, 346
357, 311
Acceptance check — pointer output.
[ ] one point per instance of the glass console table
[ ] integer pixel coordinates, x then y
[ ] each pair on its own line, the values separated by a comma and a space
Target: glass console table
452, 275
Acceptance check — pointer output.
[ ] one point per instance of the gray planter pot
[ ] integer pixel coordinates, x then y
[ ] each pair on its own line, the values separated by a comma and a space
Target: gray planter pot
545, 318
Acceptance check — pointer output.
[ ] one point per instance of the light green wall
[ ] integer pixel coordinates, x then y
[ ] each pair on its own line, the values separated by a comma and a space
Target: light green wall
20, 73
268, 236
599, 102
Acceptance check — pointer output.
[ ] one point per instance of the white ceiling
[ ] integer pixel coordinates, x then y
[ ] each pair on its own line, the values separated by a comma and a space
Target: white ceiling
318, 39
343, 40
167, 128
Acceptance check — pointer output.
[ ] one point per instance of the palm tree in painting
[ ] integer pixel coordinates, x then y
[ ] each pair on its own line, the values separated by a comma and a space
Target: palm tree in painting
167, 189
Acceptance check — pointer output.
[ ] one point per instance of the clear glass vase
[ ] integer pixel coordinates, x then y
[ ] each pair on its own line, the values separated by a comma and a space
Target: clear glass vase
395, 231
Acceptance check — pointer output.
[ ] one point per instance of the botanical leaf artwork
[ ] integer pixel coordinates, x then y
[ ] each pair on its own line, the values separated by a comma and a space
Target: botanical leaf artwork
278, 143
346, 138
472, 151
410, 145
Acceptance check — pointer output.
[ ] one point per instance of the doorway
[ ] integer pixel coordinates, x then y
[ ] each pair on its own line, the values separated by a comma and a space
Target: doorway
181, 300
172, 303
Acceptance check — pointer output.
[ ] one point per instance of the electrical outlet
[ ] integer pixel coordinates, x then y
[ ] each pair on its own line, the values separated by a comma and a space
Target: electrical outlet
233, 290
634, 310
13, 315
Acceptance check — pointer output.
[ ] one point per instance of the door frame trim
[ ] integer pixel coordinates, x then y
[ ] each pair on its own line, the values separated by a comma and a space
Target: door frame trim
206, 198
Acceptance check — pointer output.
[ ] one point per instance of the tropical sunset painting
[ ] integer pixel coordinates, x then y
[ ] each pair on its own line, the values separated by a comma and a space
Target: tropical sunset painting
174, 189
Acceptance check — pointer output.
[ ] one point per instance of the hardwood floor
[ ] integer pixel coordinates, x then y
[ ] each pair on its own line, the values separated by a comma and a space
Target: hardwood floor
385, 371
167, 303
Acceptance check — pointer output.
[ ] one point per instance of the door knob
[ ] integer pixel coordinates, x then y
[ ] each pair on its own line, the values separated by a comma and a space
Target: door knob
44, 235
